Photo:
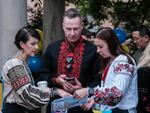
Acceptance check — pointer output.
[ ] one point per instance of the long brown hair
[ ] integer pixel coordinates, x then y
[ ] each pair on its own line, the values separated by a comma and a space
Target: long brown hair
108, 35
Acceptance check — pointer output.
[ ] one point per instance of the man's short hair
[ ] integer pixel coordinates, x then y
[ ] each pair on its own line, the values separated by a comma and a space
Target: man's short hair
143, 30
72, 13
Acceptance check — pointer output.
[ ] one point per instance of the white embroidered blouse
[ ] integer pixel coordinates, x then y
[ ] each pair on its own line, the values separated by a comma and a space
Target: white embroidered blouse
19, 86
120, 87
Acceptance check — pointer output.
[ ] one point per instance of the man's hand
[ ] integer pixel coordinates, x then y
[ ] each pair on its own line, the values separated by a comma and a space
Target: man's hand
81, 93
63, 93
60, 79
72, 87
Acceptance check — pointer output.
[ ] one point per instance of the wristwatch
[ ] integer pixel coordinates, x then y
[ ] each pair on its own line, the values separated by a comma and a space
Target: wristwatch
53, 92
91, 91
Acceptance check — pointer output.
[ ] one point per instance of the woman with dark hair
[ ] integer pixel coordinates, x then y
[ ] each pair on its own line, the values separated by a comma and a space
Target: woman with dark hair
20, 92
118, 90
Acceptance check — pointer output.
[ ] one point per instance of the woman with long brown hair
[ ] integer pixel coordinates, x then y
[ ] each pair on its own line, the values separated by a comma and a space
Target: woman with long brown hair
118, 90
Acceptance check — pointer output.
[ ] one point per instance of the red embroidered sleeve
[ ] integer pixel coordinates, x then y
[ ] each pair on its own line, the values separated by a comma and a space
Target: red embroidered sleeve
124, 68
109, 96
32, 96
18, 77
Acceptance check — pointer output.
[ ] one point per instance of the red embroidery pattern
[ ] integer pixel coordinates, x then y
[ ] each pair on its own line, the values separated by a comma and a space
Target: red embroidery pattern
121, 67
110, 96
20, 81
77, 55
104, 74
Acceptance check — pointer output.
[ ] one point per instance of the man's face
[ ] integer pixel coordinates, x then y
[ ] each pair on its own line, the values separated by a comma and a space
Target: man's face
72, 28
140, 41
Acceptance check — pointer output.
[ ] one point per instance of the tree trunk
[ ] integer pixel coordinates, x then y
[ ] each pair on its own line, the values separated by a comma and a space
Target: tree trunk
52, 21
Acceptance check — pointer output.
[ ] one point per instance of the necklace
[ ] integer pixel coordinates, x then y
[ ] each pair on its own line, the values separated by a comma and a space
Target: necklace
21, 56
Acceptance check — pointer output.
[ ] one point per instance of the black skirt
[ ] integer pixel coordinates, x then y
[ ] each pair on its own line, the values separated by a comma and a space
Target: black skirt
14, 108
117, 110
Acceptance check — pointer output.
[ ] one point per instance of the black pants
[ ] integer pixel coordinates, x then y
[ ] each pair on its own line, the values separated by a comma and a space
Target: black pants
117, 110
14, 108
143, 90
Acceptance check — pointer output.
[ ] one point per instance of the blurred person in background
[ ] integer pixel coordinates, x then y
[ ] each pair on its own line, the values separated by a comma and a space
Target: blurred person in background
141, 37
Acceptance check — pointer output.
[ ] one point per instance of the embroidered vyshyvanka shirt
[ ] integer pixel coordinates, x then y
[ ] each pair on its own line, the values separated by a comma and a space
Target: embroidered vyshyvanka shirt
119, 89
19, 86
84, 56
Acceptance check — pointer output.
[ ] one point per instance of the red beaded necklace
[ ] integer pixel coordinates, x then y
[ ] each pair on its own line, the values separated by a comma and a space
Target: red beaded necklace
70, 59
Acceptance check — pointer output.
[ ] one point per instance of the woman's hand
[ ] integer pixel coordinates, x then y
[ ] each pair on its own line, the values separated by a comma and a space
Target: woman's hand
60, 79
81, 93
87, 106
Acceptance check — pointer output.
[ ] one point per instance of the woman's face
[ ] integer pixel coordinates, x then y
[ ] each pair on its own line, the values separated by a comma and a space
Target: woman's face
30, 47
102, 48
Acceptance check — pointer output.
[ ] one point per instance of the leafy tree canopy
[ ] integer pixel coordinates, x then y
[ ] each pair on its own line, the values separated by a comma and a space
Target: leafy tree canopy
129, 12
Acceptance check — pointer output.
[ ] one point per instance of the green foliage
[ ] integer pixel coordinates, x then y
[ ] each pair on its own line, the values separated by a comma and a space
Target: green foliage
130, 12
93, 11
98, 8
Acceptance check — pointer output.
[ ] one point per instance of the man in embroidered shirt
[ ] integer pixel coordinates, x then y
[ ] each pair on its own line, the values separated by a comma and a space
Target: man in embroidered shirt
71, 63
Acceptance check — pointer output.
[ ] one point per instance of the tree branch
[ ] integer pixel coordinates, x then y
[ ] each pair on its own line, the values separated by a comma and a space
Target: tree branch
123, 14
